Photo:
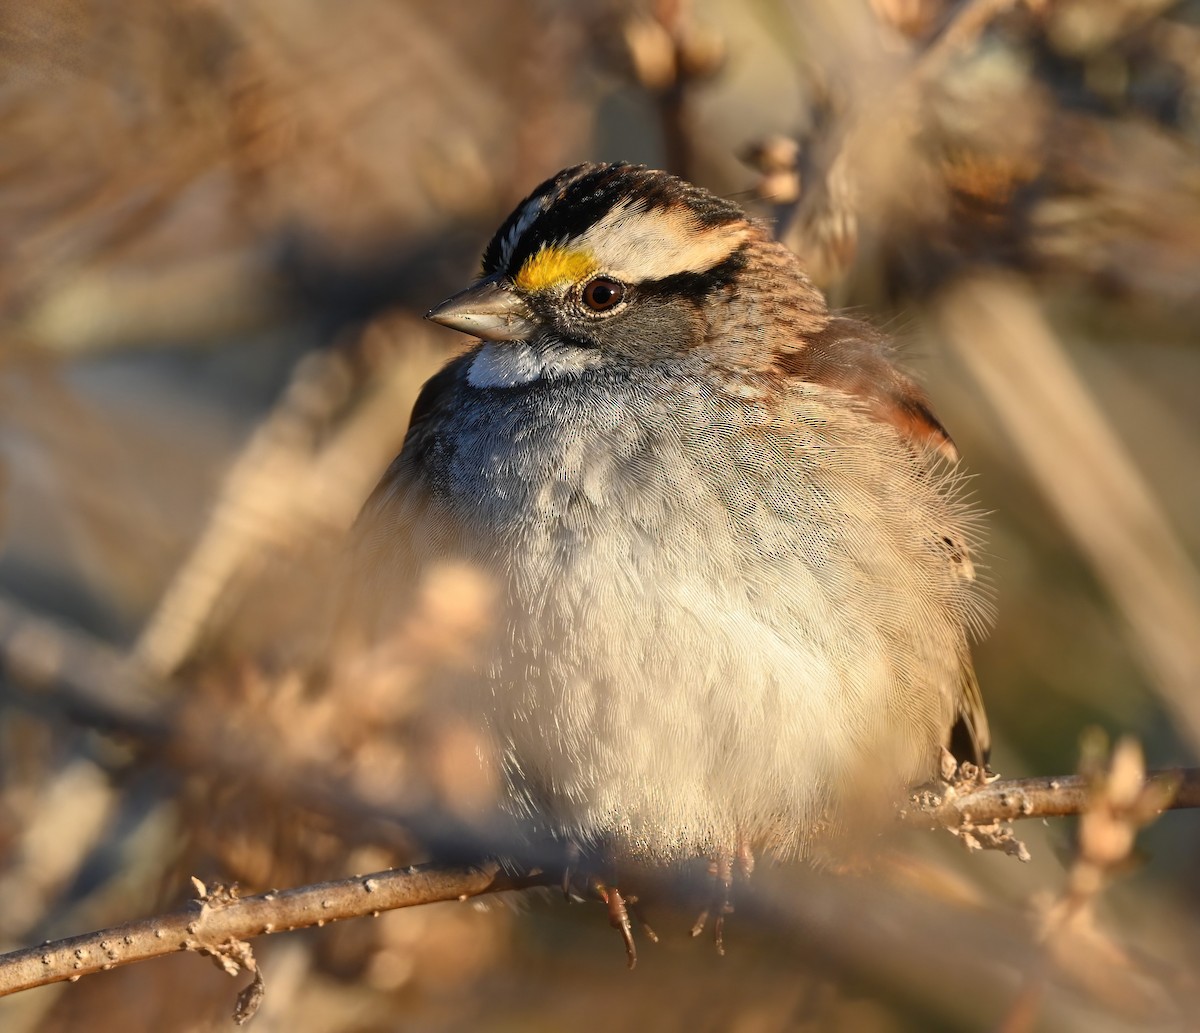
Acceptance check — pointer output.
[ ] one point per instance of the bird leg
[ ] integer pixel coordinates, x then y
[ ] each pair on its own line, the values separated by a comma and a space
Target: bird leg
721, 870
619, 909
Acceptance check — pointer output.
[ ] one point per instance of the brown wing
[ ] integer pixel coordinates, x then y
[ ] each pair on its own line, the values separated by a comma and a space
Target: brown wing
853, 357
971, 738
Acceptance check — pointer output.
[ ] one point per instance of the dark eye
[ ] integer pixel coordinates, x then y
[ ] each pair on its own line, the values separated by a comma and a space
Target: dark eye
601, 294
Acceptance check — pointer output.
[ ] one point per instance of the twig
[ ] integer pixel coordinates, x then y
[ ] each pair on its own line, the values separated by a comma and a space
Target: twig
814, 190
1118, 801
1046, 797
71, 672
251, 508
300, 478
67, 669
218, 923
670, 55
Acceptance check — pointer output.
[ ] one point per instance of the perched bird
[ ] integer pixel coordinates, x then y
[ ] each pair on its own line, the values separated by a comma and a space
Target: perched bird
734, 575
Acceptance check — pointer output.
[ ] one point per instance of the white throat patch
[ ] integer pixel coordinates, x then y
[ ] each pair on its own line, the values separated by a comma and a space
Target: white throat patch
513, 363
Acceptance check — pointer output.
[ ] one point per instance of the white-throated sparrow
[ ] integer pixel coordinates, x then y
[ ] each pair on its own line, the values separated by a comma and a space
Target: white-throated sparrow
734, 579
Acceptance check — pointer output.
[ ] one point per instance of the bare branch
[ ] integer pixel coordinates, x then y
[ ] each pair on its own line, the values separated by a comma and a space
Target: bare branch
670, 54
1045, 797
218, 923
998, 328
68, 670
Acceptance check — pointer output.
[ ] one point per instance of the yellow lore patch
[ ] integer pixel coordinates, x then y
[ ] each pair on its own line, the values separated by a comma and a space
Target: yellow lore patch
554, 265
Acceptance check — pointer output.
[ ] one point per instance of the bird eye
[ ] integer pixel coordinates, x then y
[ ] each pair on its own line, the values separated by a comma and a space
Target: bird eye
602, 294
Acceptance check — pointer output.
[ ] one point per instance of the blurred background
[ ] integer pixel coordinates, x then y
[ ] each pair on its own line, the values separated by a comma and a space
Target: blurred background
219, 226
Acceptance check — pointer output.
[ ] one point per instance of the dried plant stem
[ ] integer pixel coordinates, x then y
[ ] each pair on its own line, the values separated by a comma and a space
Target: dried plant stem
64, 671
252, 507
69, 671
996, 326
961, 32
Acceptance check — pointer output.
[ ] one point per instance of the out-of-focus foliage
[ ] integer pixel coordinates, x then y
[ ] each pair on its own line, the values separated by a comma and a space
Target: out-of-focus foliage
219, 224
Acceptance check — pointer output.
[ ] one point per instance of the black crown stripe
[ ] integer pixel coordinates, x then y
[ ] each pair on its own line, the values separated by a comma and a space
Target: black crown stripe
587, 193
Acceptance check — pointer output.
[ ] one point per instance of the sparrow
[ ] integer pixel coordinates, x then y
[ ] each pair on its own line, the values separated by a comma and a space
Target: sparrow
732, 559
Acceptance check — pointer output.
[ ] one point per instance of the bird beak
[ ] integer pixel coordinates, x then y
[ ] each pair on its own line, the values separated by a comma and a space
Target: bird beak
490, 309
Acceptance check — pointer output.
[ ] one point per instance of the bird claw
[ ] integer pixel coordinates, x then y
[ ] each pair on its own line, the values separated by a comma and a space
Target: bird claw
718, 926
721, 873
623, 910
574, 853
619, 908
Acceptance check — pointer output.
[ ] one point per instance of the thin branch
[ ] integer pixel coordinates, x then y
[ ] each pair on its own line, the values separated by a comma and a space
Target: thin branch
218, 923
1047, 797
670, 55
69, 671
998, 327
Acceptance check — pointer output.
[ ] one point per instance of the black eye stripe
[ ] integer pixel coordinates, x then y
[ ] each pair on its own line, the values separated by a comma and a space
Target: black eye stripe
697, 286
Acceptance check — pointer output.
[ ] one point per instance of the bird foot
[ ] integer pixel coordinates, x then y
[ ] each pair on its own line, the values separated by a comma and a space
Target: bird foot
620, 908
721, 872
623, 909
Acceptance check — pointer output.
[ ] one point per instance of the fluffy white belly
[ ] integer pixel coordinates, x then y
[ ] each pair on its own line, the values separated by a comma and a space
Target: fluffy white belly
672, 718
